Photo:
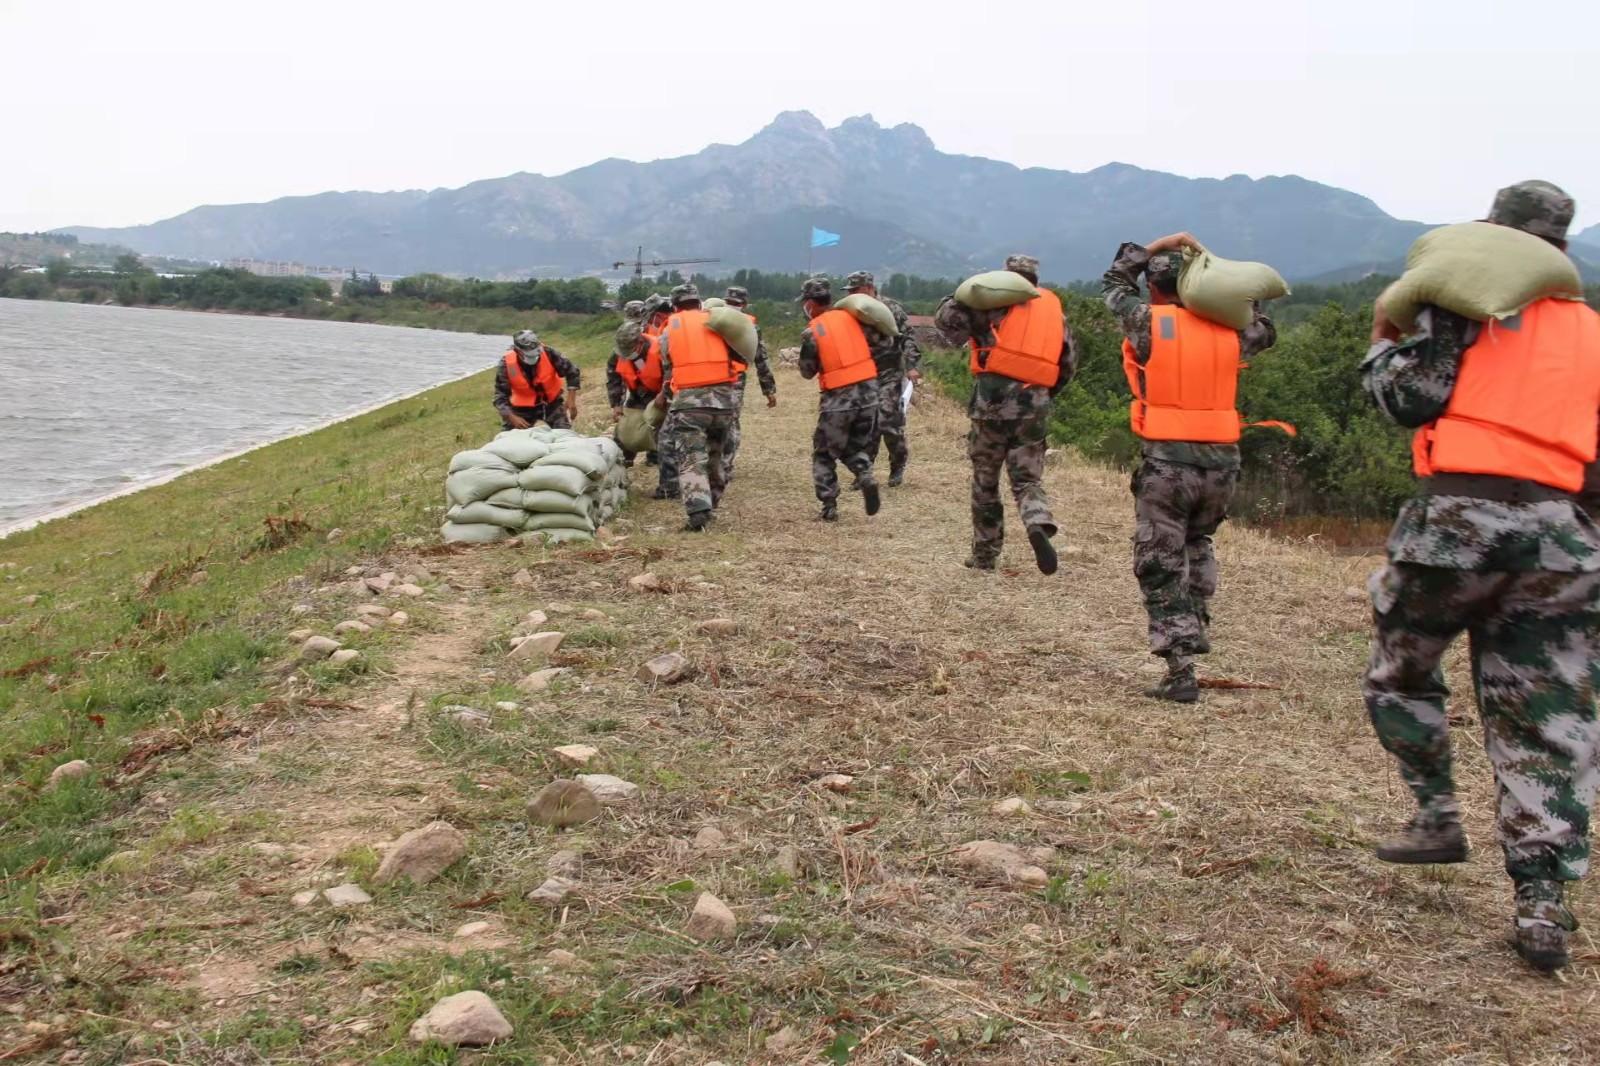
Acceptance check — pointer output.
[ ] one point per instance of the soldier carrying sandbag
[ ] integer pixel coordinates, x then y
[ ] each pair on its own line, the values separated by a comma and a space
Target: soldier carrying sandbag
1495, 545
684, 297
836, 349
1022, 357
738, 297
898, 358
1183, 371
633, 372
535, 383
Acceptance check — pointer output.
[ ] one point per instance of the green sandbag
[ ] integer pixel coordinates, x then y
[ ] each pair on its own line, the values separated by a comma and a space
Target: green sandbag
873, 312
713, 303
560, 521
518, 447
479, 459
546, 502
564, 479
633, 434
653, 417
591, 462
1222, 290
735, 327
556, 536
456, 533
1481, 271
477, 483
487, 514
609, 451
993, 289
507, 498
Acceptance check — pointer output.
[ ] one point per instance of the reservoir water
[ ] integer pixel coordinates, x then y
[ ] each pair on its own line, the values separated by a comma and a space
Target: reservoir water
96, 400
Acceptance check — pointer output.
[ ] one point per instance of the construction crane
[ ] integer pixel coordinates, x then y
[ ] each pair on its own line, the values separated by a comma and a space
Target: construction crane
640, 262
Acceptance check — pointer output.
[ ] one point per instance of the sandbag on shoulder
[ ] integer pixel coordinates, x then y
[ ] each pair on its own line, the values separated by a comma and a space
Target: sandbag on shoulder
564, 479
478, 459
873, 312
487, 514
591, 462
518, 447
560, 521
456, 533
556, 536
735, 327
633, 434
1480, 271
546, 502
1223, 290
478, 483
994, 289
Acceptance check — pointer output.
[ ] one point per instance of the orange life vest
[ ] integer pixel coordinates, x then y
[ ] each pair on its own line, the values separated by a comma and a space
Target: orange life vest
646, 378
544, 386
1188, 389
1524, 403
842, 350
1027, 346
655, 323
699, 356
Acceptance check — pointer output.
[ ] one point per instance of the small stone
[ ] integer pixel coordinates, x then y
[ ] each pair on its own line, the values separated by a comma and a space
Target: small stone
1001, 862
466, 1019
563, 803
1355, 594
839, 783
1014, 805
565, 863
536, 618
562, 959
507, 707
334, 535
710, 839
198, 577
313, 648
785, 1039
610, 791
300, 636
522, 579
373, 611
788, 862
344, 657
69, 771
422, 854
407, 589
539, 681
399, 618
553, 891
575, 754
590, 614
718, 627
467, 717
645, 583
1041, 854
300, 610
353, 571
304, 899
29, 601
558, 608
472, 929
346, 895
350, 625
666, 669
267, 849
376, 585
711, 920
538, 646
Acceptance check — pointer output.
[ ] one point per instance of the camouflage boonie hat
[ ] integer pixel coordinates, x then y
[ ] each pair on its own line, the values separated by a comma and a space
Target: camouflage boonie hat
654, 302
628, 335
1535, 207
816, 289
1164, 268
525, 340
1023, 264
861, 279
633, 309
737, 295
684, 293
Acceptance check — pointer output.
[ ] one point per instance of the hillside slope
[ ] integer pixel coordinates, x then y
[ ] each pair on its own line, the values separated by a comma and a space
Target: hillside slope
1211, 892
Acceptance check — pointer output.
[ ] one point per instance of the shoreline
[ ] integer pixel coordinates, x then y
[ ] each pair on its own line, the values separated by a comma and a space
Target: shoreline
26, 524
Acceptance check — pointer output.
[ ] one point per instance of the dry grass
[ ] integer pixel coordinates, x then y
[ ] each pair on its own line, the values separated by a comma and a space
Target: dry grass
1212, 897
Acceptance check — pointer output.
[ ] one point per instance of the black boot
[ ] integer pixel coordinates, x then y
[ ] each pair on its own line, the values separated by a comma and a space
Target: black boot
897, 476
1044, 553
975, 563
1179, 686
697, 522
869, 496
830, 512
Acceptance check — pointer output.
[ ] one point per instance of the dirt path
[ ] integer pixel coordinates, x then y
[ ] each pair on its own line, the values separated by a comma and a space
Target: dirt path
1211, 895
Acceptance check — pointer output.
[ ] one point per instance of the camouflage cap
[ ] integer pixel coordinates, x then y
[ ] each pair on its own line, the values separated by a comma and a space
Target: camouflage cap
654, 302
628, 335
859, 280
1023, 264
1535, 207
1163, 269
684, 293
816, 289
737, 295
525, 340
633, 309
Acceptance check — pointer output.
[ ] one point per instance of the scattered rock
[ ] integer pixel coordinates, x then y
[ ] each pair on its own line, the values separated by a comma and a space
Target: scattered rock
407, 589
553, 891
666, 669
562, 959
788, 862
558, 607
536, 618
334, 535
539, 681
344, 657
69, 771
350, 625
314, 648
375, 585
1003, 862
575, 754
718, 627
522, 579
538, 646
786, 1039
1013, 805
466, 1019
269, 850
1042, 854
590, 614
710, 839
563, 803
610, 791
422, 854
353, 571
472, 929
300, 610
565, 863
1355, 594
300, 636
29, 601
507, 707
346, 895
467, 717
304, 899
839, 783
646, 582
399, 618
711, 920
373, 610
198, 577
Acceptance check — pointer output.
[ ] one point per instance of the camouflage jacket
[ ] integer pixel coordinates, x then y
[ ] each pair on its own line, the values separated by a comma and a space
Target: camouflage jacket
996, 398
1411, 382
726, 397
897, 354
502, 383
1119, 287
769, 384
618, 394
851, 397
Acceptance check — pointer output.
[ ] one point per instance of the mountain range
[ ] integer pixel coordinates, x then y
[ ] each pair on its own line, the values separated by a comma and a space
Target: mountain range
898, 202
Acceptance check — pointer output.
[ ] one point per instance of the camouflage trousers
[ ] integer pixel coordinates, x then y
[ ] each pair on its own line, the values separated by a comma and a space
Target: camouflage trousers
892, 420
667, 454
730, 447
698, 437
1533, 645
552, 414
847, 437
1176, 509
1017, 445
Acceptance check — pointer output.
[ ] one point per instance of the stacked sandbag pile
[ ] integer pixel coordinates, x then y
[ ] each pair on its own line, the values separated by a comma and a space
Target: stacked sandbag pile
547, 485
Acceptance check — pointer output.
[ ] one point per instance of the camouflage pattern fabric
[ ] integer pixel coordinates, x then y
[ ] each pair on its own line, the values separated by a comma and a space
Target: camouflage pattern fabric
1017, 445
552, 414
1177, 507
547, 412
844, 435
667, 479
1534, 667
892, 419
995, 397
730, 443
1535, 207
697, 441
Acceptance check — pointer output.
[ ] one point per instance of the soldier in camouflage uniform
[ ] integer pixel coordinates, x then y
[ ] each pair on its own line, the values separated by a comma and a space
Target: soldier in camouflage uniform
1010, 424
625, 346
847, 417
695, 429
559, 411
1181, 489
1516, 565
684, 298
898, 358
739, 297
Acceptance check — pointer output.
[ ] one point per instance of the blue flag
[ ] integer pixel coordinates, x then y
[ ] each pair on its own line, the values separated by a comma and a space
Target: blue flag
821, 238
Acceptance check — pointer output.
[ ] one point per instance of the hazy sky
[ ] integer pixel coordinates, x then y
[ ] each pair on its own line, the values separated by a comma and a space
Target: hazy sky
123, 113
